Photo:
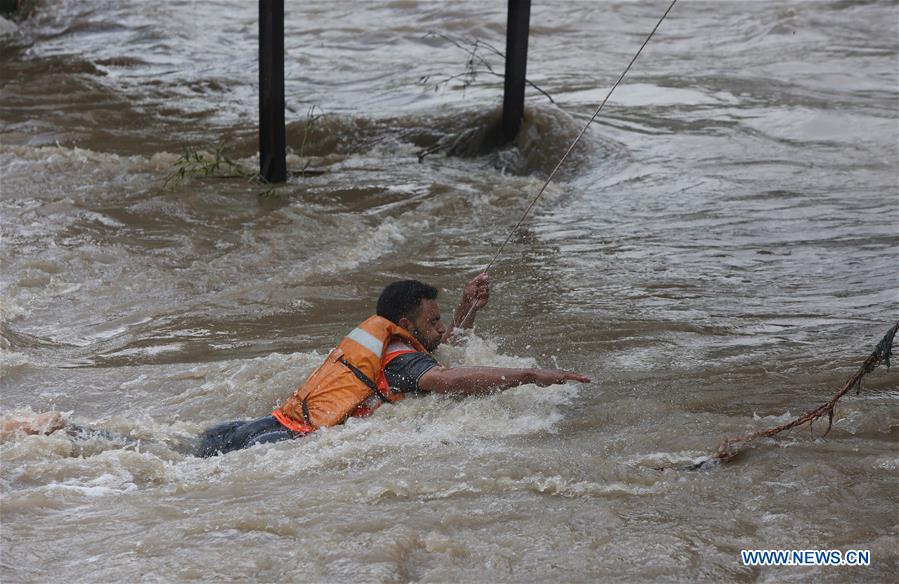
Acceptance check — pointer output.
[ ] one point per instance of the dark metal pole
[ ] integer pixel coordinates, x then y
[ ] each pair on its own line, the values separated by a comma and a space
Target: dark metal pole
516, 65
272, 146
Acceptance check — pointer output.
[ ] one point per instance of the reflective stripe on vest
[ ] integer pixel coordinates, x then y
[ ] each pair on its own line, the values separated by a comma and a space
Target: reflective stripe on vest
367, 340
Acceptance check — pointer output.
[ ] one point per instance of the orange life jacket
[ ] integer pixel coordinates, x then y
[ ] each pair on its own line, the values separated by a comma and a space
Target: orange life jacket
352, 373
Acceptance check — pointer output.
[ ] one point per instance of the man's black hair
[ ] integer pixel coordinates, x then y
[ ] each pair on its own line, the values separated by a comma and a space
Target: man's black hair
403, 298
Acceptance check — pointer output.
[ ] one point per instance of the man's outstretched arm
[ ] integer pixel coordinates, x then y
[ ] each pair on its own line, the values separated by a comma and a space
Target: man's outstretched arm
478, 380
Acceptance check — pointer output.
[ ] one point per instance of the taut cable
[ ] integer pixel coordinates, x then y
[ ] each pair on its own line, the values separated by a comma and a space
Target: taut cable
564, 156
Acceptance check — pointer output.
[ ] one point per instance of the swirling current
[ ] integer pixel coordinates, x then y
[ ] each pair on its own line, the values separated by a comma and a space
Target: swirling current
719, 255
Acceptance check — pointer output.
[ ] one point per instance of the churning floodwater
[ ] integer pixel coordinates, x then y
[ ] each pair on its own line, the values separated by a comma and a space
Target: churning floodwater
718, 254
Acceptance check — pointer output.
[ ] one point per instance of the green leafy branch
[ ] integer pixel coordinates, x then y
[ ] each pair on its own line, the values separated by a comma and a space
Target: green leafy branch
199, 164
195, 163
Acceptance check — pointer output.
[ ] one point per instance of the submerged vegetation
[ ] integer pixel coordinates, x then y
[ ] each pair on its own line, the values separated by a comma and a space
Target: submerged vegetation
194, 163
311, 119
198, 163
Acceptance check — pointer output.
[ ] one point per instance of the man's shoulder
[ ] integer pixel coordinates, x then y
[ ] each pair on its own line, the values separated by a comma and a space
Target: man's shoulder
404, 370
397, 346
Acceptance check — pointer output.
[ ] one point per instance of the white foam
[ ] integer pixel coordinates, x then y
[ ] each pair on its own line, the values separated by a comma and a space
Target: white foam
10, 311
364, 246
665, 458
247, 388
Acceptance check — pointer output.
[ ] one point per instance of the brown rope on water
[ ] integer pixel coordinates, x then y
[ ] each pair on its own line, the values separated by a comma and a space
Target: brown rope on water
730, 447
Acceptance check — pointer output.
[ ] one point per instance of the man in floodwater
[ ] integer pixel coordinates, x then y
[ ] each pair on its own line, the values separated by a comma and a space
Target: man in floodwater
382, 360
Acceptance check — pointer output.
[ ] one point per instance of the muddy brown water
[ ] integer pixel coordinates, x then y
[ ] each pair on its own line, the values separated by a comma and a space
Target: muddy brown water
719, 255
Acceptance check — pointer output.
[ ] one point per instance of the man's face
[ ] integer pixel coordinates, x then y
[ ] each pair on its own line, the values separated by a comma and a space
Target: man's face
426, 326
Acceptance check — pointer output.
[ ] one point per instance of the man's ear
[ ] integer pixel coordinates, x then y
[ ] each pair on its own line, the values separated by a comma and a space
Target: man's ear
406, 323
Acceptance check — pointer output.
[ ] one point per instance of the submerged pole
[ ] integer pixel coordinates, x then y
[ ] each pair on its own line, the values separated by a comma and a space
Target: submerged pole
516, 64
272, 140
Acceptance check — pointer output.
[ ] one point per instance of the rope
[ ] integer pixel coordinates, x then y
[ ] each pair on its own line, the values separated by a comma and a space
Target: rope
567, 152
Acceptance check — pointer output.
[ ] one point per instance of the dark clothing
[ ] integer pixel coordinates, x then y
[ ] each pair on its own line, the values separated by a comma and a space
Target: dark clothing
402, 374
243, 434
404, 371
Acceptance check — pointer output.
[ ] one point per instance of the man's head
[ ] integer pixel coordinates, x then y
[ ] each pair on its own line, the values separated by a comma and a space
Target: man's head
413, 305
